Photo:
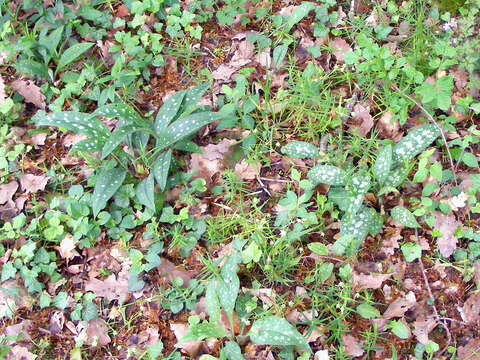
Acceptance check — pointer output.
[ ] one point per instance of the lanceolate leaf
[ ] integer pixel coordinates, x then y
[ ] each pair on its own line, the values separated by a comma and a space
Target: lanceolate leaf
72, 54
146, 192
89, 145
78, 123
161, 167
108, 182
187, 126
415, 142
383, 164
168, 111
300, 150
232, 351
404, 217
276, 331
116, 139
326, 174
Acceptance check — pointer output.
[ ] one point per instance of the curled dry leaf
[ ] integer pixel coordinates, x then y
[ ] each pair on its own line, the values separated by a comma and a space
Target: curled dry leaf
31, 92
370, 281
447, 224
33, 183
353, 347
7, 191
399, 307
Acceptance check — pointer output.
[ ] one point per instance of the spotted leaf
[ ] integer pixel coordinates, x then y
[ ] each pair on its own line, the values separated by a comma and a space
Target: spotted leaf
146, 192
116, 138
168, 111
107, 184
415, 142
326, 174
276, 331
300, 150
383, 164
404, 217
161, 168
78, 123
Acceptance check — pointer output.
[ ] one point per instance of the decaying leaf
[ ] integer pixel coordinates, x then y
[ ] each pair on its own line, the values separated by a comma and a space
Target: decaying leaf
31, 92
353, 347
447, 225
370, 281
33, 183
399, 307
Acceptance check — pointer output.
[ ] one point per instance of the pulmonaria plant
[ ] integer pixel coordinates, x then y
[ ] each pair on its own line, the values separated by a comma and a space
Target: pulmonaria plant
348, 191
178, 119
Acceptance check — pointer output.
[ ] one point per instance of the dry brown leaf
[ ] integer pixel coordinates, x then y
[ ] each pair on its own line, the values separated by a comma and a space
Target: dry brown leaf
470, 351
362, 120
399, 307
7, 191
370, 281
67, 248
423, 327
191, 347
353, 347
31, 92
447, 224
340, 48
211, 160
33, 183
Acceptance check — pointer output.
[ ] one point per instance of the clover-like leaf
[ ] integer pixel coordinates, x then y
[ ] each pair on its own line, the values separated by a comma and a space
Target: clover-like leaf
276, 331
404, 217
415, 142
78, 123
232, 351
300, 150
146, 192
326, 174
383, 164
107, 184
161, 168
117, 138
168, 111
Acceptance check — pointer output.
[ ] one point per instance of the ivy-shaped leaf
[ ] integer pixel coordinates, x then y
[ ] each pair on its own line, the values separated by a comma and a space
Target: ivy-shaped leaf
168, 111
116, 138
78, 123
276, 331
107, 184
161, 168
404, 217
232, 351
326, 174
415, 142
300, 150
146, 192
383, 164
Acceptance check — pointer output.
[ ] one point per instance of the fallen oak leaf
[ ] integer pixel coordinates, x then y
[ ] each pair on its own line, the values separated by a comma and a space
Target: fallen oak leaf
31, 92
33, 183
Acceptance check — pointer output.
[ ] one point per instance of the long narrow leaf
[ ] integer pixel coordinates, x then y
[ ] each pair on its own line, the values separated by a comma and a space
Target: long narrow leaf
106, 186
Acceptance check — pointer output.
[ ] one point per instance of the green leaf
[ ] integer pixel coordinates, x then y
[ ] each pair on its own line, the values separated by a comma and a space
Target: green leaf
212, 301
72, 54
202, 331
404, 217
318, 248
383, 164
470, 160
367, 311
108, 182
411, 251
79, 123
161, 168
276, 331
61, 300
232, 351
168, 111
399, 329
146, 192
279, 54
326, 174
415, 142
116, 138
300, 150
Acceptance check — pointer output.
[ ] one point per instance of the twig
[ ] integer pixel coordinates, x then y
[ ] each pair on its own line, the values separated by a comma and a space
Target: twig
430, 118
435, 311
